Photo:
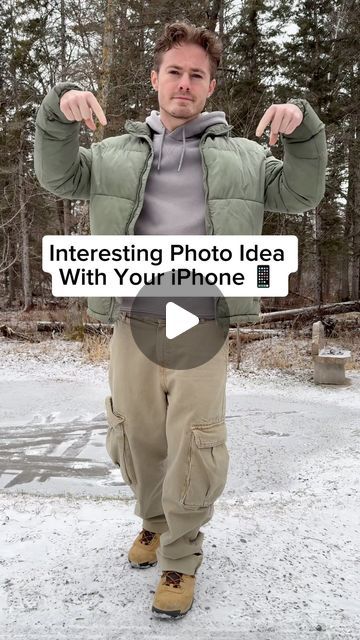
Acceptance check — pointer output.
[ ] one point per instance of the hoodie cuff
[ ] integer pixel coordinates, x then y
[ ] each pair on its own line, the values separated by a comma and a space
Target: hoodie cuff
310, 125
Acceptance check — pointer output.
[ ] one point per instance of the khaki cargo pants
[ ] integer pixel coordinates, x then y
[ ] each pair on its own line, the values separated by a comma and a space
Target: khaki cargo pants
167, 434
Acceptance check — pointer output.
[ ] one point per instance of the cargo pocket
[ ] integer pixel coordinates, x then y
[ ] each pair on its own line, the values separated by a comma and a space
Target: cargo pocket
117, 444
208, 463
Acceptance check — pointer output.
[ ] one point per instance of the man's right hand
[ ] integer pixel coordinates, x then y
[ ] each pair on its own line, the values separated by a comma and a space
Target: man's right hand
81, 105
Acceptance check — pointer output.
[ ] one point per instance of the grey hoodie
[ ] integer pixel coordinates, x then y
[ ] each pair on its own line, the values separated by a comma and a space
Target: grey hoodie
174, 201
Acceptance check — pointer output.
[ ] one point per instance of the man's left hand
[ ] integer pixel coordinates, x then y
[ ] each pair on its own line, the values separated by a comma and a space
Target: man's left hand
284, 118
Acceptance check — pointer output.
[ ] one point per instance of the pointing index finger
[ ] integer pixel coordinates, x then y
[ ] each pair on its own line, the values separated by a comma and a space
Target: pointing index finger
265, 121
97, 110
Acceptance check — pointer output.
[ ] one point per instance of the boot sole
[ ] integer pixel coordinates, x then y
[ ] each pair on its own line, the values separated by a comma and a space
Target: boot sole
143, 565
170, 614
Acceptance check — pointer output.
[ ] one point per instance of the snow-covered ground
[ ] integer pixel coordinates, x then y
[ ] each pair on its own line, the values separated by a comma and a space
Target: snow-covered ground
281, 554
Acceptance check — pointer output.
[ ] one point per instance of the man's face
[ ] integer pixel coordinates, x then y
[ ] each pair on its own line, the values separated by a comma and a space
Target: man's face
183, 84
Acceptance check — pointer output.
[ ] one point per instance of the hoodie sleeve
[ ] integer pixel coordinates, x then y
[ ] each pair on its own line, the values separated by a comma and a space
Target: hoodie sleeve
61, 165
297, 183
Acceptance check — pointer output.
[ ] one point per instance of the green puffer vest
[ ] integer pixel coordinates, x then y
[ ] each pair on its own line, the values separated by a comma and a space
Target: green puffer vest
241, 179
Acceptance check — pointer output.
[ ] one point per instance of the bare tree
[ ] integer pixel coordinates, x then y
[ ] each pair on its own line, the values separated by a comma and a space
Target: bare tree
25, 260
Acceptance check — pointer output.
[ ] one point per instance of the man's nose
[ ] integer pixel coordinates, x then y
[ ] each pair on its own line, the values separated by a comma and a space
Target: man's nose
184, 83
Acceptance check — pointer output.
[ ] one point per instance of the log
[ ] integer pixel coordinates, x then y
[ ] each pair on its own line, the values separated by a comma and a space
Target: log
314, 311
8, 332
250, 335
308, 312
89, 327
55, 326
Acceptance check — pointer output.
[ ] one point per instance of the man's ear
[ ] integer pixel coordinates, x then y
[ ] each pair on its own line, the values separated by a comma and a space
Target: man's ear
154, 79
212, 86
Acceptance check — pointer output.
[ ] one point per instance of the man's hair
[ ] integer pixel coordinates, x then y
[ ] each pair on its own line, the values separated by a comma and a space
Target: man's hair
178, 33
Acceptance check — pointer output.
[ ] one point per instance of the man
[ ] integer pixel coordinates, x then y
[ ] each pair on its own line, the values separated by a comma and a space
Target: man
180, 172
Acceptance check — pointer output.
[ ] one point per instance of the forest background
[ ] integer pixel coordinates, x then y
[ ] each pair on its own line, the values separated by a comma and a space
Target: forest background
272, 51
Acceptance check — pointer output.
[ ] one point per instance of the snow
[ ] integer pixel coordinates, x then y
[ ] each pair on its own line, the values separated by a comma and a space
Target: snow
281, 554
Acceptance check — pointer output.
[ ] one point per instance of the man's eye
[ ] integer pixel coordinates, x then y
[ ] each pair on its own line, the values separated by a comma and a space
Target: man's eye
173, 71
197, 75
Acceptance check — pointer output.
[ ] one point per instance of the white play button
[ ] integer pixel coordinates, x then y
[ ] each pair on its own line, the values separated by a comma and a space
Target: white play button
189, 330
178, 320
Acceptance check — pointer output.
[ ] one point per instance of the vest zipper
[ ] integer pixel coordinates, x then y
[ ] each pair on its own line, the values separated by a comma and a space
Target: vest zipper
205, 176
136, 207
205, 183
139, 201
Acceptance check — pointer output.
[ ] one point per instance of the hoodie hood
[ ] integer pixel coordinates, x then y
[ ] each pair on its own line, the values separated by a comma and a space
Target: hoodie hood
192, 129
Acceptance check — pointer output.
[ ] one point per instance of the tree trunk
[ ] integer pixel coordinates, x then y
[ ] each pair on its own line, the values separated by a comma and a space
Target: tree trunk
213, 13
319, 270
10, 272
301, 246
354, 166
67, 216
355, 279
107, 58
65, 203
345, 260
84, 222
25, 260
60, 215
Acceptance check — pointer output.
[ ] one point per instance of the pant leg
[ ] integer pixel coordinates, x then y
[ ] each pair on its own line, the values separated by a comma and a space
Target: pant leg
136, 412
197, 458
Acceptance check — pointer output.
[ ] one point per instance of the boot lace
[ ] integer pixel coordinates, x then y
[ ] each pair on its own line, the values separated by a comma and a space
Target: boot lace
147, 536
172, 578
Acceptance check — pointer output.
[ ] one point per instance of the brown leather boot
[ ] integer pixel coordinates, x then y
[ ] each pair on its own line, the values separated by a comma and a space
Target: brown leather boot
174, 595
143, 551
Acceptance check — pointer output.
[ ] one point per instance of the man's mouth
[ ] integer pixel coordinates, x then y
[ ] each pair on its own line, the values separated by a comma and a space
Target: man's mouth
183, 98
